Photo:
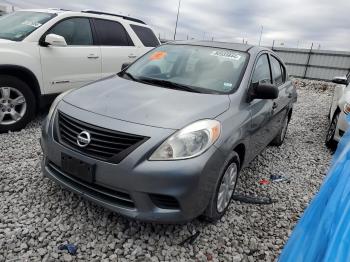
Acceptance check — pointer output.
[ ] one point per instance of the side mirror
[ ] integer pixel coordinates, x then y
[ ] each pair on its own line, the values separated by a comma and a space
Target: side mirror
55, 40
341, 80
264, 91
125, 65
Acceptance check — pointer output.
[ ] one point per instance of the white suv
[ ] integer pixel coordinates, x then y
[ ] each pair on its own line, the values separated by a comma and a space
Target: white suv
46, 52
339, 110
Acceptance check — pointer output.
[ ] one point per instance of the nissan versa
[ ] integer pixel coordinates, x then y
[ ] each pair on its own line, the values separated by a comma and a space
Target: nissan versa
164, 139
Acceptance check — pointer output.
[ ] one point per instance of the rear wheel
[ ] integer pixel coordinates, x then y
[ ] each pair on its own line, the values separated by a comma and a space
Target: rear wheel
224, 191
330, 142
279, 139
17, 104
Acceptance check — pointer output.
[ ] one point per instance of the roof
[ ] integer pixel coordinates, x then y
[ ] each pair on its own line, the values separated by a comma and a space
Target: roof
91, 12
225, 45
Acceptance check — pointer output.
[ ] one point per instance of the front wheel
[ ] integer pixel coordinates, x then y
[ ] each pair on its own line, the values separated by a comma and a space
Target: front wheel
17, 104
224, 191
330, 142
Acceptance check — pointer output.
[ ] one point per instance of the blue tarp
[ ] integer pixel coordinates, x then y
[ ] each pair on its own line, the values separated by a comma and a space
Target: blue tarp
323, 232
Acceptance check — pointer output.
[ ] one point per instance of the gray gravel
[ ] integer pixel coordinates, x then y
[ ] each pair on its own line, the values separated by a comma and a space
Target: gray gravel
36, 215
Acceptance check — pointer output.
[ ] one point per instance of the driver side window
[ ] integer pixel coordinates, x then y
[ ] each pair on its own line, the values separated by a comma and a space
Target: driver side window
262, 73
76, 31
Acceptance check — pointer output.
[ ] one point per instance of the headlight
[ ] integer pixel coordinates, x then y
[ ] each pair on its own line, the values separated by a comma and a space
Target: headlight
189, 142
347, 108
53, 108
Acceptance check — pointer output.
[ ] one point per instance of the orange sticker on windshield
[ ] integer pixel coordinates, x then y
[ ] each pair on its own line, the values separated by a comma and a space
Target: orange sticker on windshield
158, 55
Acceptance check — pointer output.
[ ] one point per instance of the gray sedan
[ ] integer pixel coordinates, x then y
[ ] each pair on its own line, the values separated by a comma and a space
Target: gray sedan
164, 139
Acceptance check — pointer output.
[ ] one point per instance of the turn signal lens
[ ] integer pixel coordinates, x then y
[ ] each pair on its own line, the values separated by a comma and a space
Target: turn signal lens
347, 108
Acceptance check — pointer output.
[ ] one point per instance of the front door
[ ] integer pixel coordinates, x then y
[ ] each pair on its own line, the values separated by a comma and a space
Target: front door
74, 65
280, 104
261, 109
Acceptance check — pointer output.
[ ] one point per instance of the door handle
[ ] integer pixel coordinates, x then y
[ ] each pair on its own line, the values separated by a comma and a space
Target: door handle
92, 56
132, 56
274, 106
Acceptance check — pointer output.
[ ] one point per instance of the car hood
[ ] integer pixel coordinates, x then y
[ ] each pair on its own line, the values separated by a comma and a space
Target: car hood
135, 102
5, 41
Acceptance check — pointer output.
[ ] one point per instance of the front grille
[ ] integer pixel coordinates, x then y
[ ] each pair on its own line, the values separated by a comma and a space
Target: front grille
98, 192
107, 145
165, 202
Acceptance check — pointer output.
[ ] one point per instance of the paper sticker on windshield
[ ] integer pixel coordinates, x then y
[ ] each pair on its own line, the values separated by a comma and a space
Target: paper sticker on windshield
158, 55
227, 86
30, 23
226, 54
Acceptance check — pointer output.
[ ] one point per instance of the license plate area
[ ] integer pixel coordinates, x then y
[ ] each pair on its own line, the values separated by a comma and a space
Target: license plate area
77, 168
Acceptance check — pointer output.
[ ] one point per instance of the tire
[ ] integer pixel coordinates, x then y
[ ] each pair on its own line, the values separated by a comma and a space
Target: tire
330, 142
17, 104
279, 139
213, 213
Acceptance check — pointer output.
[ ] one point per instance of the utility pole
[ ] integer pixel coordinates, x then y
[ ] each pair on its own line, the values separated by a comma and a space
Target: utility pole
177, 18
262, 29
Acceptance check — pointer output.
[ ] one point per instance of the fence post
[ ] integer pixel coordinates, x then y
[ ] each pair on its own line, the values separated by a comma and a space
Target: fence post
308, 61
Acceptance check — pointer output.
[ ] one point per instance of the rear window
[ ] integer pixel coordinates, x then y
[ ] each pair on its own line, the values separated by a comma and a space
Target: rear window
146, 35
112, 33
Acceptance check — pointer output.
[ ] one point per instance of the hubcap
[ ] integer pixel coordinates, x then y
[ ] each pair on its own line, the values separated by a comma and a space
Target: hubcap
332, 128
227, 187
13, 105
284, 130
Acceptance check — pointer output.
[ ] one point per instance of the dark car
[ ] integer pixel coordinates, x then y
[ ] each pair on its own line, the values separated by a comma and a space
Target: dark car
164, 139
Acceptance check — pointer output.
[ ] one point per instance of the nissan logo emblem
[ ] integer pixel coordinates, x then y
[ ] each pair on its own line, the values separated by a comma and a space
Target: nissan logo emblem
84, 139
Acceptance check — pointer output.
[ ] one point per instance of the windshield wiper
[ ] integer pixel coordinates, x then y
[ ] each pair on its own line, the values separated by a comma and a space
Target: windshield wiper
168, 84
130, 76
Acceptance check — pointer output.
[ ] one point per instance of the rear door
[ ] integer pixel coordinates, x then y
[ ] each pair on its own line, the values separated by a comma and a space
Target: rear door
116, 45
74, 65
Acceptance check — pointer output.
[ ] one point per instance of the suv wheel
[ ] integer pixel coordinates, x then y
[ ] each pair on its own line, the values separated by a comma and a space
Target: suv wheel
330, 142
17, 104
279, 139
224, 191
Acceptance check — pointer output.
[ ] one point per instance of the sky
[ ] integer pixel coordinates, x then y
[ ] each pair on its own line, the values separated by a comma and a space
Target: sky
291, 23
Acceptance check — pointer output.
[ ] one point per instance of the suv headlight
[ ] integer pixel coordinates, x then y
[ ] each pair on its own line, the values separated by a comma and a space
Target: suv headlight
189, 142
347, 108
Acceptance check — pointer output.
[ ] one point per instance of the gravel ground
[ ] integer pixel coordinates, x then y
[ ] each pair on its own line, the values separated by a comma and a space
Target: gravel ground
36, 215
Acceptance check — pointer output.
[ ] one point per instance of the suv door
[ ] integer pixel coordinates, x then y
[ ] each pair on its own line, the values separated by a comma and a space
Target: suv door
261, 109
280, 104
74, 65
116, 45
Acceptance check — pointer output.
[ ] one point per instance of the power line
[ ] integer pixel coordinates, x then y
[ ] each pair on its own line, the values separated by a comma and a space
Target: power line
177, 18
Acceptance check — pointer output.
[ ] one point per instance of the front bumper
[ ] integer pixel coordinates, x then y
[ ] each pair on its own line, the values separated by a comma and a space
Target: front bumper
342, 127
157, 191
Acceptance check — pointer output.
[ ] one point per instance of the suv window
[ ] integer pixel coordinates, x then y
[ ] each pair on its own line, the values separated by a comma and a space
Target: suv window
276, 71
146, 35
112, 33
76, 31
262, 72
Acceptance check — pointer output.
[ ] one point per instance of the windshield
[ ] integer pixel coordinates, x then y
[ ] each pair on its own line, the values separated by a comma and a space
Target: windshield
18, 25
205, 69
